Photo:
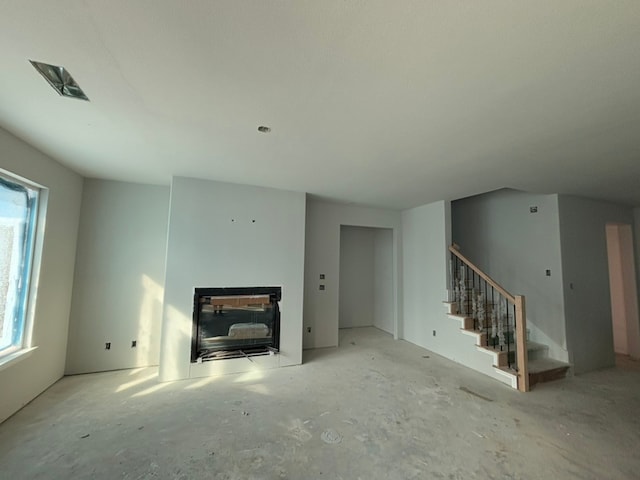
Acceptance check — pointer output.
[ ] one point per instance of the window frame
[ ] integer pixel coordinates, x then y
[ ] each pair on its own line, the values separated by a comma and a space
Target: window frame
21, 339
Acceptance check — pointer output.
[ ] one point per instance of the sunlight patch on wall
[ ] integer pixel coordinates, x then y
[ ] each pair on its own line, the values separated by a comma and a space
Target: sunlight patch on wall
150, 312
177, 329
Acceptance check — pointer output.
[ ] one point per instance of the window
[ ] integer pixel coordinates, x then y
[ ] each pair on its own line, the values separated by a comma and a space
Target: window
18, 214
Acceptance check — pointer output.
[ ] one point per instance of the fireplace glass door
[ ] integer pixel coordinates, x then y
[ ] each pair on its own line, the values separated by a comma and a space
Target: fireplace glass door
235, 322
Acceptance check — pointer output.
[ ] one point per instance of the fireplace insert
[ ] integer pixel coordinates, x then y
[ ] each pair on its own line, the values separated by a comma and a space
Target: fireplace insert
235, 322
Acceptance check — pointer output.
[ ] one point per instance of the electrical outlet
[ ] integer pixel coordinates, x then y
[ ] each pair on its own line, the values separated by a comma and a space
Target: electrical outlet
321, 287
308, 329
134, 343
434, 333
547, 272
322, 276
107, 346
533, 209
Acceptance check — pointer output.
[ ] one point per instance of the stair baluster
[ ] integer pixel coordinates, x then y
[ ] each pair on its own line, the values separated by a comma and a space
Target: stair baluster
493, 310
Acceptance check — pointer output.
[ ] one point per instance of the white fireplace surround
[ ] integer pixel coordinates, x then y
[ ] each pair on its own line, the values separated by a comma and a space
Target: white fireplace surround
220, 235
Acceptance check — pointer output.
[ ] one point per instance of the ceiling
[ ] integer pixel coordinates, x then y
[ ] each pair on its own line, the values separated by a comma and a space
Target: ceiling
376, 102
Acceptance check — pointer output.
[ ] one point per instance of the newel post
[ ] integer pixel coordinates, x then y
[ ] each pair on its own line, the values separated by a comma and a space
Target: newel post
521, 344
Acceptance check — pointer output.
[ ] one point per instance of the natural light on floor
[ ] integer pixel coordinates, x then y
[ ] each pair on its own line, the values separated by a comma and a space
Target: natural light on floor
139, 381
150, 390
201, 383
254, 374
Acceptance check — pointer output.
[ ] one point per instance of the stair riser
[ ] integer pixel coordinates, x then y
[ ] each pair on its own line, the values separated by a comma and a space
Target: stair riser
537, 354
509, 354
548, 376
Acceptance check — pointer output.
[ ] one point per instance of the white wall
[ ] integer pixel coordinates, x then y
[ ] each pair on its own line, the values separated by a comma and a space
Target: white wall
383, 306
24, 379
425, 238
498, 233
426, 235
586, 279
213, 241
119, 277
357, 274
322, 256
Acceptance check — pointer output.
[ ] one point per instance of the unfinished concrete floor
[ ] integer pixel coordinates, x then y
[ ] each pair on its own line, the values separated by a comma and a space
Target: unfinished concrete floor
373, 408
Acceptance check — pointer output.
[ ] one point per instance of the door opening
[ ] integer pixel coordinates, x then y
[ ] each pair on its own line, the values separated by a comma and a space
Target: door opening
366, 278
623, 290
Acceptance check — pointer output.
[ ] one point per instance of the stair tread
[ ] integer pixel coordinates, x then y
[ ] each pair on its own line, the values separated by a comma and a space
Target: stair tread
490, 347
546, 364
531, 346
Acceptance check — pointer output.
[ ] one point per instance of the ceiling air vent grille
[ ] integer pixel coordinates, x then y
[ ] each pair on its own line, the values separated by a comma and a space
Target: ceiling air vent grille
60, 79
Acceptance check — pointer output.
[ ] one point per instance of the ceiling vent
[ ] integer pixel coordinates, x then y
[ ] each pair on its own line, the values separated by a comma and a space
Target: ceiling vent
60, 79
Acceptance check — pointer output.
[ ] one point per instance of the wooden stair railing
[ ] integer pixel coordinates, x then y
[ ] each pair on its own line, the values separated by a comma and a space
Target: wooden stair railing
491, 303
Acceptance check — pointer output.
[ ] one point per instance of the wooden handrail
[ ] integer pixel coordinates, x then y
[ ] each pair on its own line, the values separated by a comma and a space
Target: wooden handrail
521, 339
520, 321
483, 275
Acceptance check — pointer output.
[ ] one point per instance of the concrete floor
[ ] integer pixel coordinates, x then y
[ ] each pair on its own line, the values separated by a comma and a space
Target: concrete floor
371, 409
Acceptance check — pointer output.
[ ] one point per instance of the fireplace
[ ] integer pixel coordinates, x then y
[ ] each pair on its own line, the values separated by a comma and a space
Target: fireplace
233, 322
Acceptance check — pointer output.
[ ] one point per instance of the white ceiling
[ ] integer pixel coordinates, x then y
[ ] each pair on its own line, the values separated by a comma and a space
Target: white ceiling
388, 103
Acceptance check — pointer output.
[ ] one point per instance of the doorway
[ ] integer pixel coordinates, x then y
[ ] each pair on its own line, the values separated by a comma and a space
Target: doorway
623, 290
366, 278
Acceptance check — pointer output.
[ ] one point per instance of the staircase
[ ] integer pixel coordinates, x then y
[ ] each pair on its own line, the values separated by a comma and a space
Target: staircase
540, 369
497, 321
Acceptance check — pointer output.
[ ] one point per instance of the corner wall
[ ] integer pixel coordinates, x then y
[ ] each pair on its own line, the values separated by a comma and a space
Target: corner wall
425, 239
22, 380
322, 256
426, 234
228, 235
357, 273
586, 279
383, 292
119, 277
